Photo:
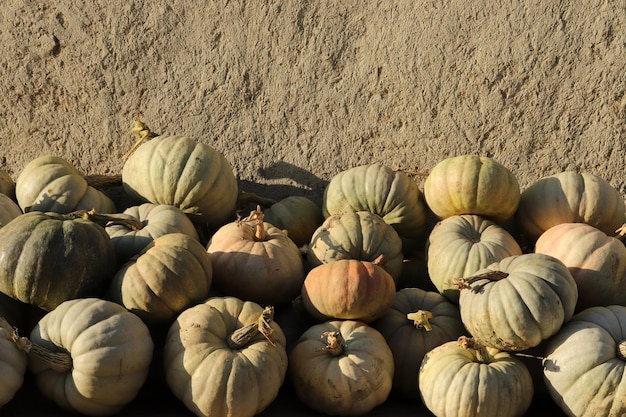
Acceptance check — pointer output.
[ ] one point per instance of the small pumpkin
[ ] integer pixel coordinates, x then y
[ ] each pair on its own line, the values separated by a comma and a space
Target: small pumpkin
341, 368
460, 245
348, 289
585, 363
470, 184
569, 197
225, 357
7, 185
463, 378
298, 215
13, 362
50, 183
597, 261
360, 235
417, 322
393, 195
90, 356
48, 258
8, 209
255, 261
169, 275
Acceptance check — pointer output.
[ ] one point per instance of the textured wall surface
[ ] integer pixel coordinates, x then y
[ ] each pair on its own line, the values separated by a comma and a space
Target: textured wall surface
294, 92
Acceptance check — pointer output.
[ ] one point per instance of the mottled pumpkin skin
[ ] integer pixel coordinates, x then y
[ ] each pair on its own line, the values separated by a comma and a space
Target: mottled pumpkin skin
597, 262
584, 363
47, 259
8, 209
393, 195
569, 197
50, 183
179, 171
352, 383
13, 362
454, 382
469, 184
298, 215
111, 351
213, 379
360, 235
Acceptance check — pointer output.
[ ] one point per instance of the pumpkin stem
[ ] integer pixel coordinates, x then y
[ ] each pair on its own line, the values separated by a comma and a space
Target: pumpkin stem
107, 219
466, 283
334, 343
257, 217
621, 350
103, 181
621, 232
380, 260
142, 134
60, 362
420, 319
246, 198
469, 343
240, 337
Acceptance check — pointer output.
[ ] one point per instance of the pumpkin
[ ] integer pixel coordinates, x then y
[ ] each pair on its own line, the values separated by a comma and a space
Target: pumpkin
460, 245
90, 356
256, 261
360, 235
417, 322
341, 368
156, 220
569, 197
225, 357
597, 261
8, 209
169, 275
469, 184
348, 289
298, 215
48, 258
585, 363
13, 362
7, 186
463, 378
393, 195
50, 183
518, 302
179, 171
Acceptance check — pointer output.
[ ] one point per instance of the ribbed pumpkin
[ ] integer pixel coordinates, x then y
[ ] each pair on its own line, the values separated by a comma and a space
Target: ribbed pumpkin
348, 289
13, 362
597, 261
101, 353
48, 258
462, 378
360, 235
417, 322
470, 184
393, 195
50, 183
182, 172
255, 261
569, 197
341, 368
8, 209
518, 302
298, 215
7, 185
585, 363
460, 245
225, 357
156, 220
169, 275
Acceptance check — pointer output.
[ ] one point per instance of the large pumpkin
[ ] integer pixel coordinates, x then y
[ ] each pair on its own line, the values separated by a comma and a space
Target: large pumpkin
469, 184
341, 368
360, 235
585, 363
225, 357
463, 378
50, 183
460, 245
597, 261
106, 352
13, 362
518, 302
48, 258
298, 215
182, 172
569, 197
393, 195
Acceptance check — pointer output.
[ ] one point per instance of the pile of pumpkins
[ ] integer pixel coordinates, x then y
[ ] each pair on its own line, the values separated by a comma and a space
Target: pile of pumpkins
468, 295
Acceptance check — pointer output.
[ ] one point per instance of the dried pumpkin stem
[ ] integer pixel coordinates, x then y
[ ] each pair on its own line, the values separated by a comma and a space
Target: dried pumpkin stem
240, 337
621, 350
123, 219
142, 134
103, 181
466, 283
60, 361
256, 216
421, 319
621, 232
334, 343
482, 355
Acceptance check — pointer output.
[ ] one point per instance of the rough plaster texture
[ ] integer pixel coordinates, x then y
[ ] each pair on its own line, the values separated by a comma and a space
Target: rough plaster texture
294, 92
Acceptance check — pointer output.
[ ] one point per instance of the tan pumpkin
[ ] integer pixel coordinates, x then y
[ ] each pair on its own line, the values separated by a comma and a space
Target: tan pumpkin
348, 289
255, 261
569, 197
7, 185
597, 261
225, 357
8, 209
298, 215
460, 245
13, 363
341, 368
